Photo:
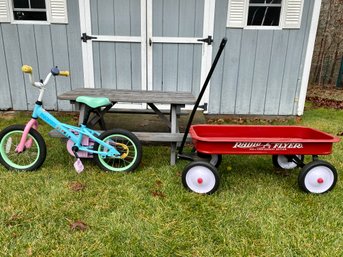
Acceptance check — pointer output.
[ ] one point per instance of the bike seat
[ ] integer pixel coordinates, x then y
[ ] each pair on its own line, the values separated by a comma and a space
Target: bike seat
93, 102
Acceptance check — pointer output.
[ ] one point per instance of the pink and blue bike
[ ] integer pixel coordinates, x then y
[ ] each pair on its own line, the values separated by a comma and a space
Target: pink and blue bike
23, 148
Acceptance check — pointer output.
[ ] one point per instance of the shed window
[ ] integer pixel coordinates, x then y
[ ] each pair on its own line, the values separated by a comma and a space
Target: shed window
33, 10
264, 13
256, 14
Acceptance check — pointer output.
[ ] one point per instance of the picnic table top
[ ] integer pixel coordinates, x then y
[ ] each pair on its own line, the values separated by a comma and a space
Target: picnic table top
134, 96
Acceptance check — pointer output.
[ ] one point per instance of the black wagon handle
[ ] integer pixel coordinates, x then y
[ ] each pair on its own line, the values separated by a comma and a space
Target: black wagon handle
203, 89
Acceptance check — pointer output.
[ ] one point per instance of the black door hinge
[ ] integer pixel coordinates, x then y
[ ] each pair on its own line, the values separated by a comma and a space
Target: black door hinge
207, 40
85, 37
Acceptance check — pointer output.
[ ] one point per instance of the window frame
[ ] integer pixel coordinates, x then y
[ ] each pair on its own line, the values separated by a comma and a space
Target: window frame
290, 16
265, 27
30, 22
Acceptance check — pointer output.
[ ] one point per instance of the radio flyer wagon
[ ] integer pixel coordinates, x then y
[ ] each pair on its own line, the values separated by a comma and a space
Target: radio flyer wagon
287, 144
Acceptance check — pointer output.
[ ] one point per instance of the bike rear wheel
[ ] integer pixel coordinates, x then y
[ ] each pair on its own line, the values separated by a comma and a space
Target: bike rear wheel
33, 155
126, 143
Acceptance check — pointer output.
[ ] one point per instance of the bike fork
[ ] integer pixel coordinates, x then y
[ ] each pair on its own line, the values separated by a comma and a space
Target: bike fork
23, 142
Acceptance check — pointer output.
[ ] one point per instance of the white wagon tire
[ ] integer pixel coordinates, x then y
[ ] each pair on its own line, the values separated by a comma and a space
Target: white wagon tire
200, 177
282, 162
317, 177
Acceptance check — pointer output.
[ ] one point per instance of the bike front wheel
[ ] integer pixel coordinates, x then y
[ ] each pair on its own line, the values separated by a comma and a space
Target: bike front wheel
33, 155
126, 143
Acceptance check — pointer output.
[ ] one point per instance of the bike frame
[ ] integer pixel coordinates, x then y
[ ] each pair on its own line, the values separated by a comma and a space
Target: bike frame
71, 132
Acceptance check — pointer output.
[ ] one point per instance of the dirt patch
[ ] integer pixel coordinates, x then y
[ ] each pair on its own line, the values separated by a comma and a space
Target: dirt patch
7, 115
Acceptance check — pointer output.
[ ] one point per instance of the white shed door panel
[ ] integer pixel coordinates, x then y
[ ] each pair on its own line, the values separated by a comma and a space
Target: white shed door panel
116, 58
146, 44
176, 52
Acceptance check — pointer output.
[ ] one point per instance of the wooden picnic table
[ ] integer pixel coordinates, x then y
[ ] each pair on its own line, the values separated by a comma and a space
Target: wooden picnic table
176, 101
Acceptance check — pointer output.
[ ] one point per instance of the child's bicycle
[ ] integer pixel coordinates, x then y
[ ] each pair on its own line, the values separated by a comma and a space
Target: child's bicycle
23, 148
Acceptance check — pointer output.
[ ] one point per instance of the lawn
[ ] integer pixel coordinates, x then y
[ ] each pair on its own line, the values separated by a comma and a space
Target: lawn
257, 211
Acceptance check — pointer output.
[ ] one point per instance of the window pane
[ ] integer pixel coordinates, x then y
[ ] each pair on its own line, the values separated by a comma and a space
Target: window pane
265, 1
40, 4
264, 16
32, 16
21, 3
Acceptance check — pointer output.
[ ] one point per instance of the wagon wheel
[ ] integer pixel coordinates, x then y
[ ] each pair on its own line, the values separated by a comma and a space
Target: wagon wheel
200, 177
214, 159
285, 161
317, 177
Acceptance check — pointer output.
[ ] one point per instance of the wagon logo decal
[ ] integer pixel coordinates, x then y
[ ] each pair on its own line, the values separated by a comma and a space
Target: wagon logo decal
267, 146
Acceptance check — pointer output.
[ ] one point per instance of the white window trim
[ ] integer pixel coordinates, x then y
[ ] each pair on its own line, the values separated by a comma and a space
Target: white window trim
239, 9
308, 57
48, 11
14, 21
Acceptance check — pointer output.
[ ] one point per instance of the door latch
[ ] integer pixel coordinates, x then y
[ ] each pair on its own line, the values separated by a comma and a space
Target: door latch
85, 37
207, 40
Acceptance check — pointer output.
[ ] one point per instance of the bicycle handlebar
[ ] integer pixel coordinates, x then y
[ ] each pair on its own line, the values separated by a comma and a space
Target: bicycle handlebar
54, 72
41, 84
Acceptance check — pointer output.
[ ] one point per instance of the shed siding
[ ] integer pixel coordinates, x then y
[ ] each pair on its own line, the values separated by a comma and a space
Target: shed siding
261, 70
260, 73
42, 47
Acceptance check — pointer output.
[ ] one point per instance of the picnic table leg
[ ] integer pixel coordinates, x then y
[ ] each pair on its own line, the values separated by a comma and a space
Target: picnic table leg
82, 109
173, 129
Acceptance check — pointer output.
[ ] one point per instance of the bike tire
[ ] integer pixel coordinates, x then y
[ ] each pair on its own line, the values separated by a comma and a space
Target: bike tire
28, 160
126, 143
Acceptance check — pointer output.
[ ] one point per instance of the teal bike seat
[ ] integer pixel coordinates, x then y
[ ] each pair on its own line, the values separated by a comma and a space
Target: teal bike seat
93, 102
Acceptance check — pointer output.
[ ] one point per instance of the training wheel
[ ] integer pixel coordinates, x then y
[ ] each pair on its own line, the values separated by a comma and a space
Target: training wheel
285, 161
200, 177
317, 177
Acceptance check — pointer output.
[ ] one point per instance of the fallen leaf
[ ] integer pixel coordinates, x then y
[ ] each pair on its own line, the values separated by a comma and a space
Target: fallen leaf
78, 225
76, 186
158, 193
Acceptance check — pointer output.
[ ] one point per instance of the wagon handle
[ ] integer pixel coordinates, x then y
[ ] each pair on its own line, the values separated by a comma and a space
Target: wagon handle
203, 89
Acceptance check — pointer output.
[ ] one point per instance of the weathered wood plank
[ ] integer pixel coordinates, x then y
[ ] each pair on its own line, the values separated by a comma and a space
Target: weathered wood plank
132, 96
142, 136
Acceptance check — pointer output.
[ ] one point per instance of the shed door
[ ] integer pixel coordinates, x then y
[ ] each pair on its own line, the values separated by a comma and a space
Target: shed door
146, 44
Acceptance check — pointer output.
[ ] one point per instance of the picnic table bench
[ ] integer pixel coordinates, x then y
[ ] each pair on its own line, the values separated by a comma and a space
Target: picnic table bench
176, 101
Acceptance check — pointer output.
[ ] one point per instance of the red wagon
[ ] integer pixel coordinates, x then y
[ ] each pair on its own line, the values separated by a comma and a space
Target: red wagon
286, 144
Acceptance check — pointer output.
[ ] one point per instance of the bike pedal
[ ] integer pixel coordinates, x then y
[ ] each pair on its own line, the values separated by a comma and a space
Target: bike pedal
78, 165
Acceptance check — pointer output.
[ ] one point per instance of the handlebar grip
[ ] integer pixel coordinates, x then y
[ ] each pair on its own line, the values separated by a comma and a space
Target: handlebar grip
26, 69
64, 73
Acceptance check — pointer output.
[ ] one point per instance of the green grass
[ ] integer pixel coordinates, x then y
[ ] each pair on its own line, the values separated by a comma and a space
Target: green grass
257, 210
